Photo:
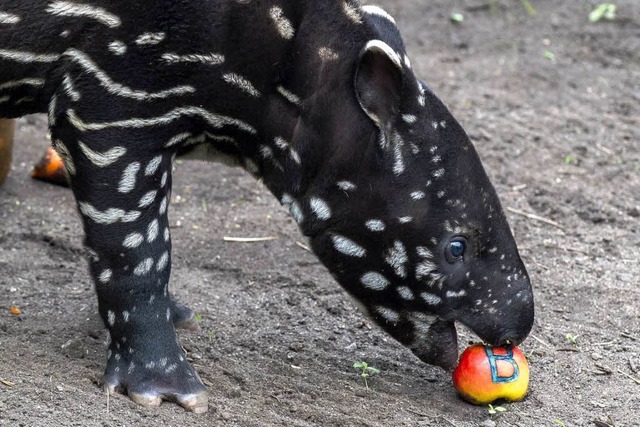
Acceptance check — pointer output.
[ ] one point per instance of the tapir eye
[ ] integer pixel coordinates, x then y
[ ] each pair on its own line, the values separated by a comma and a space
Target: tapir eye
455, 249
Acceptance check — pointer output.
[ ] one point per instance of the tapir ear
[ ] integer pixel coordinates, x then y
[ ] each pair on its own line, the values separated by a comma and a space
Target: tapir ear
378, 82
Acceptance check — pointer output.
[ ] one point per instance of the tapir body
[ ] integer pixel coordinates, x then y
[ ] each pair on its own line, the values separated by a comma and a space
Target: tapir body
317, 99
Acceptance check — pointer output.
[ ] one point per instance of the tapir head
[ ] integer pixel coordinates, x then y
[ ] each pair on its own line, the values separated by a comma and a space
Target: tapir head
401, 211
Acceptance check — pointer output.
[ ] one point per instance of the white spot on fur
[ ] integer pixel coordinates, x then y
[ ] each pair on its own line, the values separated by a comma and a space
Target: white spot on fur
294, 208
143, 267
390, 316
421, 97
163, 261
208, 59
105, 276
374, 281
152, 231
117, 47
283, 25
289, 96
241, 83
352, 12
111, 318
405, 219
347, 246
320, 208
430, 299
328, 54
266, 152
417, 195
398, 166
424, 269
346, 186
438, 173
152, 166
8, 18
167, 234
375, 225
454, 294
128, 180
424, 252
125, 316
163, 206
407, 61
148, 39
397, 258
133, 240
409, 118
405, 293
147, 199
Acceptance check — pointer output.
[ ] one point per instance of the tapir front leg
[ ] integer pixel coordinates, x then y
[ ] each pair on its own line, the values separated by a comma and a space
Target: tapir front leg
122, 189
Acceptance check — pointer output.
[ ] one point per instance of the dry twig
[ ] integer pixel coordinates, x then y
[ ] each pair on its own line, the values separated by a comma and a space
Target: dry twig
637, 381
303, 246
535, 217
248, 239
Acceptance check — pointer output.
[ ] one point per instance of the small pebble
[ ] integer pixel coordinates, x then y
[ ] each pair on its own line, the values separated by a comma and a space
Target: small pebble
488, 423
596, 356
361, 392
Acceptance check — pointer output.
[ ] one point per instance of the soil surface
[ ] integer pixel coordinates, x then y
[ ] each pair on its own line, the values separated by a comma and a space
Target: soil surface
551, 102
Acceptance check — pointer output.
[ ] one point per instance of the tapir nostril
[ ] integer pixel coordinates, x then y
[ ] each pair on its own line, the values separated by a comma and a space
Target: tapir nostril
510, 340
507, 343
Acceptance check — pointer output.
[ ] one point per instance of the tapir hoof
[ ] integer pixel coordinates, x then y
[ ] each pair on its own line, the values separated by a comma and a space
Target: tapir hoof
196, 402
185, 390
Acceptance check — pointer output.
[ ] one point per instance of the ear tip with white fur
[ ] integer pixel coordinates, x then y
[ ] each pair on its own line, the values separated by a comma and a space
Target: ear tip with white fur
384, 48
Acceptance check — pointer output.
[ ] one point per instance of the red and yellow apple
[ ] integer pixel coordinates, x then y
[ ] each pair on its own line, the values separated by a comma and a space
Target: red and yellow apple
50, 168
485, 374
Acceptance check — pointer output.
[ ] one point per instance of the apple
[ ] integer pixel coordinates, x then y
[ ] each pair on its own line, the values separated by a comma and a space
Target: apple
485, 374
50, 169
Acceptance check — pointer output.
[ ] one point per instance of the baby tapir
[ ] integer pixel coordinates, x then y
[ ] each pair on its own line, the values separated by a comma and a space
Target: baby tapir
317, 99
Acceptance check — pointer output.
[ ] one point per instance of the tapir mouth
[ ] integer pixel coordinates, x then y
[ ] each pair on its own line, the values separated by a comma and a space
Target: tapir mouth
438, 344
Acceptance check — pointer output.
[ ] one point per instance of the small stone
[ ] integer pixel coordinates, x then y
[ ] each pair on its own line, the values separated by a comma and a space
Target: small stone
296, 347
488, 423
351, 347
361, 392
596, 356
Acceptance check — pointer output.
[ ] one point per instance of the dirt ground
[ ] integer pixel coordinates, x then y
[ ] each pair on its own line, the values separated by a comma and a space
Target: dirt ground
552, 104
